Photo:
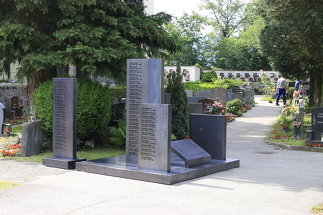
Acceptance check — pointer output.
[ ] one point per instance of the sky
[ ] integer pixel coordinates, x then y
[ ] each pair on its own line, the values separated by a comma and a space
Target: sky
176, 7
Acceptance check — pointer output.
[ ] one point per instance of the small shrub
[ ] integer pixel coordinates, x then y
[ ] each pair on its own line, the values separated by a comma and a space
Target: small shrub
179, 104
285, 122
93, 108
118, 134
209, 76
234, 106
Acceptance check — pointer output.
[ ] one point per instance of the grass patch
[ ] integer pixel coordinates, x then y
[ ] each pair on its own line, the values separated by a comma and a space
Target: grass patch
288, 141
17, 129
89, 155
318, 209
267, 98
7, 185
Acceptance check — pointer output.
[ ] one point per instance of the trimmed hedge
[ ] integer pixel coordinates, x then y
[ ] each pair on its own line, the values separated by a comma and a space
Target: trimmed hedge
93, 109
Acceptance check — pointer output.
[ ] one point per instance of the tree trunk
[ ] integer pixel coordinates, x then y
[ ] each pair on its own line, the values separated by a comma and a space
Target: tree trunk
317, 90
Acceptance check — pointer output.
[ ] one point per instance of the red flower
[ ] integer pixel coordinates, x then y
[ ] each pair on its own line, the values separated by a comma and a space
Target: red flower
287, 136
277, 136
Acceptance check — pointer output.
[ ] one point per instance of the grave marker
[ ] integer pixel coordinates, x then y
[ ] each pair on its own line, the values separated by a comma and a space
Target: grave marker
192, 154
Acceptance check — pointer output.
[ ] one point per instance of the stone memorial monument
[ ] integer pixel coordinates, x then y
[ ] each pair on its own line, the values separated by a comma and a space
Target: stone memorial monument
148, 148
64, 124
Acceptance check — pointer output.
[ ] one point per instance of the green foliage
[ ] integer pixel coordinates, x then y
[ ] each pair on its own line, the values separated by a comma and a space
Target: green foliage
234, 106
293, 40
217, 83
285, 121
209, 76
119, 92
118, 134
188, 31
93, 108
269, 85
228, 15
180, 116
96, 36
43, 102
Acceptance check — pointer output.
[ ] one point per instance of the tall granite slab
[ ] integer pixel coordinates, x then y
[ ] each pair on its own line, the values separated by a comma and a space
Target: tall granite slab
64, 124
191, 153
32, 138
317, 123
145, 84
202, 93
154, 137
209, 132
219, 95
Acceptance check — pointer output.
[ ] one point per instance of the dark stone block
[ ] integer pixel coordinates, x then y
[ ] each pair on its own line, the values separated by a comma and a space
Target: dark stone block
192, 154
317, 123
32, 138
209, 132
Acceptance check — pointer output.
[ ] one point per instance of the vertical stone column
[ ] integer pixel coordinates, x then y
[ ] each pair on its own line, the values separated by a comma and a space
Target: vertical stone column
145, 84
64, 124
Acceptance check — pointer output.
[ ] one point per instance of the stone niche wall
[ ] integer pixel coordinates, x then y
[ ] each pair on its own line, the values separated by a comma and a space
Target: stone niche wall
9, 90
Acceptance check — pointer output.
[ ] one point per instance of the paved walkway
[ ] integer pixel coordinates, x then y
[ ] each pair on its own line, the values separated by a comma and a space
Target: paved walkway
269, 181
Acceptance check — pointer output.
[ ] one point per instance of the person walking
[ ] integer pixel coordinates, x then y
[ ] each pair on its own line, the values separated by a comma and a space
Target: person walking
281, 90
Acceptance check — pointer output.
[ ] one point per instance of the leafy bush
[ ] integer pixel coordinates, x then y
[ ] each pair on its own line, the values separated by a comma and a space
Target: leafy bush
93, 108
118, 134
285, 122
217, 83
234, 106
119, 92
179, 104
208, 76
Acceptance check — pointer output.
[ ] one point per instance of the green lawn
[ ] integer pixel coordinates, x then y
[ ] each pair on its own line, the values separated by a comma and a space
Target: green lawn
7, 185
89, 155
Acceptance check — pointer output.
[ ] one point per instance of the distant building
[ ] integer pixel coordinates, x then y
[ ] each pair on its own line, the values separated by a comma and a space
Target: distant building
251, 76
190, 73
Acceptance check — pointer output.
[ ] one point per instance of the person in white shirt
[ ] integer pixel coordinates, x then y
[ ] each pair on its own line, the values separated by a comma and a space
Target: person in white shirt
1, 117
281, 90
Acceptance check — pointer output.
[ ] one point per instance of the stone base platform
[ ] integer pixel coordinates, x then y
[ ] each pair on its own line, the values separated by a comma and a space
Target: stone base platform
117, 166
62, 163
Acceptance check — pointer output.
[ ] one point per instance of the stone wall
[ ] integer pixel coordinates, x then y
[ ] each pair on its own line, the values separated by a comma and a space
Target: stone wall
9, 90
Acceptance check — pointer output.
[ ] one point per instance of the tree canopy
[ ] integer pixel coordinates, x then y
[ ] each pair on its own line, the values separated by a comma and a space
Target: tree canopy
95, 35
293, 38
